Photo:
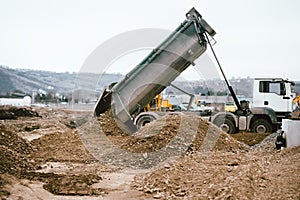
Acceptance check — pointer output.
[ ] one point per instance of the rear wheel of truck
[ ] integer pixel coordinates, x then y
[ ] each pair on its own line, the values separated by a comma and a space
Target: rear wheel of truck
226, 125
143, 120
261, 126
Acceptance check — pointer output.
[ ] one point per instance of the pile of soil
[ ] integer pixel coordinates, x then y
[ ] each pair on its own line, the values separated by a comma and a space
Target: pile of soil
250, 138
13, 142
161, 132
48, 121
74, 185
57, 142
170, 136
14, 153
9, 112
214, 166
68, 184
60, 147
221, 175
267, 144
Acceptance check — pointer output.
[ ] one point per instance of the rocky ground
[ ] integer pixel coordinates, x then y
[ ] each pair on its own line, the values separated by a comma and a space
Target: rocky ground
64, 154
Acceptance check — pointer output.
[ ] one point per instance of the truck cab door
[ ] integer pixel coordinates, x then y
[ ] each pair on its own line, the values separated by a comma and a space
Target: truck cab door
273, 94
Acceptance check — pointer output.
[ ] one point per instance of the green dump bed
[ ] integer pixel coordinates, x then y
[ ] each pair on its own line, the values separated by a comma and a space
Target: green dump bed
149, 78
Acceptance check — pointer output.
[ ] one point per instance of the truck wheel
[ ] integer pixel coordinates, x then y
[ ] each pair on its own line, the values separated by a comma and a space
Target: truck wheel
261, 126
226, 125
143, 120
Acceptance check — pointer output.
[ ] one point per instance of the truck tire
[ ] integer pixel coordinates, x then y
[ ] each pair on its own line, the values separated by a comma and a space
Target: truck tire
261, 126
143, 120
226, 125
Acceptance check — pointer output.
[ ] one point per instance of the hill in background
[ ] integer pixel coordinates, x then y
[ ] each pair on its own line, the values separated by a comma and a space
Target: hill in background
26, 81
86, 87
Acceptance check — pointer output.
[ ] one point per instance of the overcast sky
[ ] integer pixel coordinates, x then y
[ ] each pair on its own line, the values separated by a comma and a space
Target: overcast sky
254, 37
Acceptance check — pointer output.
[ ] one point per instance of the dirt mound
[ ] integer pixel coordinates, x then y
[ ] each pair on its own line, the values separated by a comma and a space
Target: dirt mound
210, 138
68, 184
250, 138
161, 132
55, 141
10, 112
212, 164
13, 162
13, 152
60, 147
170, 136
74, 185
150, 138
267, 144
221, 175
15, 143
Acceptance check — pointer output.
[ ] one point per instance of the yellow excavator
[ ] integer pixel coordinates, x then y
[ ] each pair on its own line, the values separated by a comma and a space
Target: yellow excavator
296, 100
296, 112
159, 104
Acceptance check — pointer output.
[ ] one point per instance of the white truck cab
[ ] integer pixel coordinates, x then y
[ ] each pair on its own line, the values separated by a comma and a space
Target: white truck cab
275, 93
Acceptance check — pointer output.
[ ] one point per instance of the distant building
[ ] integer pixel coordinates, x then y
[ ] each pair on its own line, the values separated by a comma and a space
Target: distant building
25, 101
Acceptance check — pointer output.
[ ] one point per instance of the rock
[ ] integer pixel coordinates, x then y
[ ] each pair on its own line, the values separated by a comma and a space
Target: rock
233, 163
158, 196
167, 166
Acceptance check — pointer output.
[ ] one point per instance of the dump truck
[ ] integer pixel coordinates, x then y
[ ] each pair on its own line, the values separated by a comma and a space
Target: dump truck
128, 98
164, 64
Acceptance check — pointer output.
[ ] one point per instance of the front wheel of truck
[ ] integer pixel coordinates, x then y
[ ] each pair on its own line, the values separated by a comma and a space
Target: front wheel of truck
261, 126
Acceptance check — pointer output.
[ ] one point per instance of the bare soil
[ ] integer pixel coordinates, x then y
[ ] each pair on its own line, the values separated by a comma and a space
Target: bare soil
250, 138
63, 154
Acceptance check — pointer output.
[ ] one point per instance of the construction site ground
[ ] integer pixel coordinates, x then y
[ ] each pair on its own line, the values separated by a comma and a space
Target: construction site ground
49, 153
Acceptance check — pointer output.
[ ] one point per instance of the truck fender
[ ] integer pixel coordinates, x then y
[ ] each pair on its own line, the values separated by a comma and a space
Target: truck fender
144, 118
269, 112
